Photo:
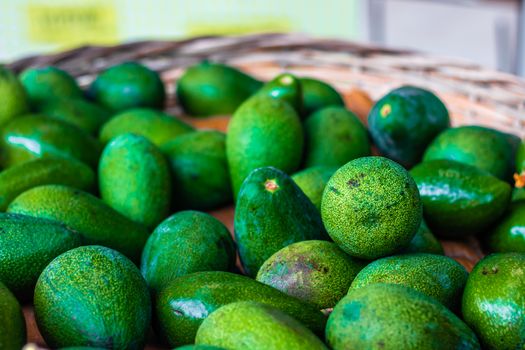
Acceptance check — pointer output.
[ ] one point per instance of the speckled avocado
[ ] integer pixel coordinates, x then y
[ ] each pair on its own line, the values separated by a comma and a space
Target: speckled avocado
134, 179
263, 132
91, 217
312, 182
317, 95
333, 137
371, 207
92, 296
186, 242
14, 98
12, 323
271, 213
391, 316
49, 83
188, 300
424, 241
251, 325
508, 235
494, 301
285, 87
317, 272
156, 126
459, 199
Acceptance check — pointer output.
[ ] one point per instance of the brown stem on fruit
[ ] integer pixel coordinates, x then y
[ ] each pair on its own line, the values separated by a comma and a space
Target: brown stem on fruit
519, 180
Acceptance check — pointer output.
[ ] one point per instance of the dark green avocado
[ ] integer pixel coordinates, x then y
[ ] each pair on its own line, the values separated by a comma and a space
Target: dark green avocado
285, 87
424, 241
317, 95
508, 235
49, 83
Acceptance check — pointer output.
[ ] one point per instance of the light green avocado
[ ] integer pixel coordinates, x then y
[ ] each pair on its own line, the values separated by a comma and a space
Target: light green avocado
312, 182
14, 97
12, 323
318, 94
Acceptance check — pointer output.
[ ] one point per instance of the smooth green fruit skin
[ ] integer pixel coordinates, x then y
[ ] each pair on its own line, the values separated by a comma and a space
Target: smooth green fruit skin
317, 272
508, 235
186, 242
44, 171
333, 137
318, 94
424, 242
156, 126
128, 85
263, 132
391, 316
312, 182
271, 213
518, 195
14, 97
49, 83
92, 296
481, 147
494, 301
199, 347
436, 276
520, 157
252, 325
134, 179
97, 222
459, 199
405, 121
285, 87
211, 88
199, 168
35, 136
371, 207
28, 246
12, 323
188, 300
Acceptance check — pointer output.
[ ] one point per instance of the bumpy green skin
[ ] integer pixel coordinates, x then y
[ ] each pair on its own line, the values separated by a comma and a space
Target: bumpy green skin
371, 207
252, 325
188, 300
424, 241
199, 168
484, 148
48, 83
317, 272
520, 157
509, 234
45, 171
333, 137
35, 136
211, 88
134, 179
97, 222
199, 347
391, 316
494, 301
156, 126
318, 94
459, 199
436, 276
285, 87
12, 323
271, 213
28, 245
263, 132
312, 182
14, 97
128, 85
186, 242
92, 296
405, 121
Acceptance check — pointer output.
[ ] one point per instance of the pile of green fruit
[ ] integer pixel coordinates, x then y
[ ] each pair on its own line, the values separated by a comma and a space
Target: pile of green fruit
103, 229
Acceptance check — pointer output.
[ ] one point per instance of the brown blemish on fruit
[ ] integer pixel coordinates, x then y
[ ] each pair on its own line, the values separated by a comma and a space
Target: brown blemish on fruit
353, 183
271, 185
334, 190
519, 180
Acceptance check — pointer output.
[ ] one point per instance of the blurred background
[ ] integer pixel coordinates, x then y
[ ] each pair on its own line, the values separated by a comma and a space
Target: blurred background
487, 32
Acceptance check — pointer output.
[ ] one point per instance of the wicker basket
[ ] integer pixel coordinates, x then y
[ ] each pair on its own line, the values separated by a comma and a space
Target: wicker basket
362, 73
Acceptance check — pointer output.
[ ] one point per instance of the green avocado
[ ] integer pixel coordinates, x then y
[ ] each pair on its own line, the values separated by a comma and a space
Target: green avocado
92, 296
211, 88
251, 325
198, 347
423, 242
436, 276
91, 217
201, 178
156, 126
312, 182
28, 245
36, 136
49, 83
392, 317
317, 95
188, 300
14, 97
459, 199
520, 158
134, 179
285, 87
271, 213
81, 348
494, 301
128, 85
263, 132
186, 242
12, 323
317, 272
484, 148
333, 137
371, 207
405, 121
508, 235
518, 194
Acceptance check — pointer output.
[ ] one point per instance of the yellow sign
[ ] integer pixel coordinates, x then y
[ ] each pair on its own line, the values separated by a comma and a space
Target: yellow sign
236, 26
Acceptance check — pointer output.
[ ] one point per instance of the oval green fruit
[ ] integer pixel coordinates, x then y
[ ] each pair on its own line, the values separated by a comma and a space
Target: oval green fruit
520, 158
312, 182
317, 95
199, 347
285, 87
49, 83
12, 323
424, 241
508, 235
14, 97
